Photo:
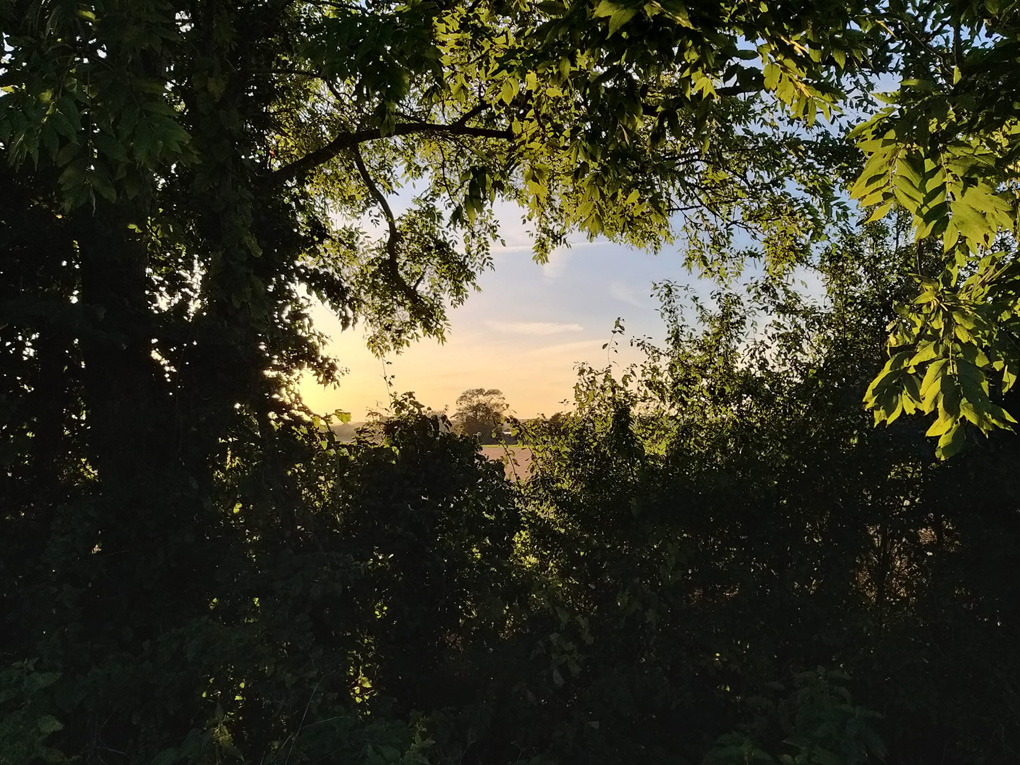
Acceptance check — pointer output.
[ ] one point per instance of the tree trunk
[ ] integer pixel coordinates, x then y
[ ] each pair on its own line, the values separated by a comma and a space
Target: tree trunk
120, 371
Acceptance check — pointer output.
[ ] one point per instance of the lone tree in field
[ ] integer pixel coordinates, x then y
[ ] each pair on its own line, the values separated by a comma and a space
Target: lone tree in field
480, 413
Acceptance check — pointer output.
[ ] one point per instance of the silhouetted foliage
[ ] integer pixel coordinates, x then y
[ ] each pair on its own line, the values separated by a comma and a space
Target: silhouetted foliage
723, 519
716, 558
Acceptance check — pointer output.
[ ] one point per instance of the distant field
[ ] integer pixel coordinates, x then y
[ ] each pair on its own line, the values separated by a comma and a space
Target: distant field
517, 459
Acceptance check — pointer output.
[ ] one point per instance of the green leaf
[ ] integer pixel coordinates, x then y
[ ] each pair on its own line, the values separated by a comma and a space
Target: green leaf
941, 425
73, 174
67, 152
926, 352
951, 442
619, 18
49, 724
932, 382
49, 138
110, 146
99, 180
878, 213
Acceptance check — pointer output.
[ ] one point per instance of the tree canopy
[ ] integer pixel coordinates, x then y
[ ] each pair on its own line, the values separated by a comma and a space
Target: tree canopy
233, 151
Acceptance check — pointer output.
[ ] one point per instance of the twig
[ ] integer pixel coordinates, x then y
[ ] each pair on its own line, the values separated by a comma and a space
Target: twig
302, 723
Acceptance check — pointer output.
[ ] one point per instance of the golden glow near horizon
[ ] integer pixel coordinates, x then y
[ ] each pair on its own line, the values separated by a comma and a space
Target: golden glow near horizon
533, 363
524, 333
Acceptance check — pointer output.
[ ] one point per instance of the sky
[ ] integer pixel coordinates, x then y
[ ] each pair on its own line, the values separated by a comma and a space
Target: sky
524, 333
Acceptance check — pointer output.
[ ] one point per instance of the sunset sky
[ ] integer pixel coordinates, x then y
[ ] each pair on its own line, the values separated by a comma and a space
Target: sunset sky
523, 333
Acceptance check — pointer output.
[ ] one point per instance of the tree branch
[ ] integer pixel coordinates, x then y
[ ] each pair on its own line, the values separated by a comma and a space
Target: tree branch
392, 262
377, 195
301, 167
471, 113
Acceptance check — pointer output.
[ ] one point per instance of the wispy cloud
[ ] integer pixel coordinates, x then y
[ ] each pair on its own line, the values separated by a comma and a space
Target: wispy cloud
532, 327
559, 260
628, 294
580, 350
